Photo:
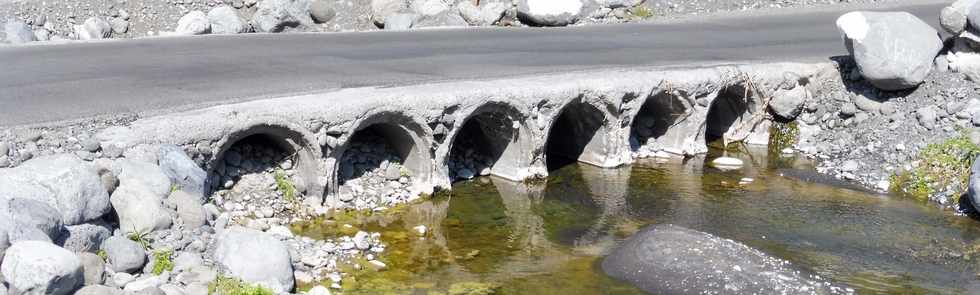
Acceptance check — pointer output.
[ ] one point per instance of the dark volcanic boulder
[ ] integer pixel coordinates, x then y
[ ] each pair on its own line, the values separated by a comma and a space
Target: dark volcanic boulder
668, 259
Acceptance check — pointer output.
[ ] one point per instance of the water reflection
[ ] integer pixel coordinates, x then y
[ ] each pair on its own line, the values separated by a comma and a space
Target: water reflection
548, 236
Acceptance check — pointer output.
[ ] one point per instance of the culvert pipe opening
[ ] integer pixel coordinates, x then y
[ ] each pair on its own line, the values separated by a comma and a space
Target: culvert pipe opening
375, 168
479, 145
725, 115
257, 181
650, 126
573, 136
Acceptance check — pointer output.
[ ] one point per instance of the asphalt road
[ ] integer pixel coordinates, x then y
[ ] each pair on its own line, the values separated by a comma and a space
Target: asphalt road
77, 80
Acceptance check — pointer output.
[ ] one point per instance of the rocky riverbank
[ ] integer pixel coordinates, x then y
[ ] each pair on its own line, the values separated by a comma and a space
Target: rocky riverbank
31, 20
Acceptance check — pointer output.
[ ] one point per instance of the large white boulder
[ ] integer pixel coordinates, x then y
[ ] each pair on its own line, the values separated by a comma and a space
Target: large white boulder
429, 7
25, 219
274, 16
953, 18
381, 9
193, 23
487, 14
18, 32
35, 267
139, 209
788, 103
93, 28
64, 182
255, 257
224, 20
550, 12
893, 50
148, 175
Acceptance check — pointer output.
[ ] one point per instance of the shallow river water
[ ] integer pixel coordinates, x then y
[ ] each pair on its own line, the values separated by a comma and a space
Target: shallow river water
549, 237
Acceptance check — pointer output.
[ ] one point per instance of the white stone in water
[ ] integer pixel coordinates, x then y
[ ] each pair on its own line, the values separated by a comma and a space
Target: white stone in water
420, 229
661, 155
378, 264
727, 163
318, 290
787, 151
485, 172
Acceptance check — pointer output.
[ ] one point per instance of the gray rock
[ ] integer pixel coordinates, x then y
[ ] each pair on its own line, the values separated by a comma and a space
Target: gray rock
64, 182
29, 220
381, 9
181, 169
99, 290
90, 145
549, 12
428, 7
147, 175
146, 284
887, 108
848, 110
35, 267
119, 26
444, 19
275, 16
193, 23
789, 103
171, 289
42, 34
255, 257
618, 3
322, 11
4, 149
18, 32
187, 261
973, 189
362, 240
667, 259
487, 14
124, 255
866, 104
893, 50
84, 237
953, 18
927, 117
139, 210
93, 28
393, 172
224, 20
399, 22
93, 268
189, 210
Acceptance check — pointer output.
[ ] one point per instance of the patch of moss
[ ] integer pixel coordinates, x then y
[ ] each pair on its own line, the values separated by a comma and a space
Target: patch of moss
642, 12
163, 261
783, 135
940, 166
103, 254
473, 288
232, 286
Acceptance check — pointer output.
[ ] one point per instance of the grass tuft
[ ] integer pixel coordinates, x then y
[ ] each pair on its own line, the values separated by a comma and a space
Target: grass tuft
642, 12
232, 286
143, 238
285, 186
941, 166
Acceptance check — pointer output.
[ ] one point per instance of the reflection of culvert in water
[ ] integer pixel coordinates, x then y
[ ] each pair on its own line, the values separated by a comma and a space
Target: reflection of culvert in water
727, 112
257, 177
655, 118
479, 144
371, 173
571, 134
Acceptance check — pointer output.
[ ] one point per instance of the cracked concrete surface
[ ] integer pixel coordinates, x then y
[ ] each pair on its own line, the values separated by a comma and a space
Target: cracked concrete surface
426, 119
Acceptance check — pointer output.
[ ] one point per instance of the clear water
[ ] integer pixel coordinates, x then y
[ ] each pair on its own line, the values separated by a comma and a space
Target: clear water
549, 237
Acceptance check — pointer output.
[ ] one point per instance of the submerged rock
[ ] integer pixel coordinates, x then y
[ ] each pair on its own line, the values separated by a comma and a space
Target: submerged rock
668, 259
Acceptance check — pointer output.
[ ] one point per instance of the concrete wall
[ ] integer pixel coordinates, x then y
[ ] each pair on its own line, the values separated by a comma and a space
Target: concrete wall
423, 120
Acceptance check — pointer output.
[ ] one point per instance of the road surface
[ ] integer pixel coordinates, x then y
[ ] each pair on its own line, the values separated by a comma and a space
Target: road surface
48, 83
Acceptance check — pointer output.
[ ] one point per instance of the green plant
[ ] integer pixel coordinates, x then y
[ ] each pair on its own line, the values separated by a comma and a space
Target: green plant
163, 261
641, 11
941, 166
103, 254
284, 186
143, 238
174, 188
231, 286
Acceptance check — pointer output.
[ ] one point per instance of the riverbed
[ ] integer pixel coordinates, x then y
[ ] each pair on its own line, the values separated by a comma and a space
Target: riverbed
548, 236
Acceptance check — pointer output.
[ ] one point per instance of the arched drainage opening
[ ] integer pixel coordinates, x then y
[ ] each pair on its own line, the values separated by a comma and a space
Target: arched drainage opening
256, 179
726, 116
480, 144
378, 166
574, 136
649, 131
